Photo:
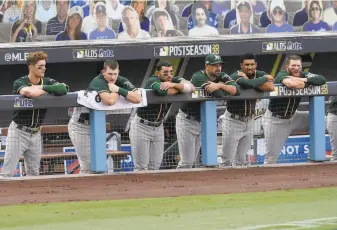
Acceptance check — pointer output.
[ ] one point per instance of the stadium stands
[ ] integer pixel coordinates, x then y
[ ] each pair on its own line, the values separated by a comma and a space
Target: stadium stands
159, 18
185, 16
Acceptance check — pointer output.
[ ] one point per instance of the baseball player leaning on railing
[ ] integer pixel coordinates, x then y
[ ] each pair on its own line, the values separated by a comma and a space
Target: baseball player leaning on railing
282, 116
146, 130
110, 86
24, 136
238, 120
188, 126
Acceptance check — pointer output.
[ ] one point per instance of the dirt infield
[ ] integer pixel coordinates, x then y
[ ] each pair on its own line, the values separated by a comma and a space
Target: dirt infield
219, 181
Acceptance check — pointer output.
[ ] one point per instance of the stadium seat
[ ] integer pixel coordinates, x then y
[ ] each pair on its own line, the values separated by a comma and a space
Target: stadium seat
5, 32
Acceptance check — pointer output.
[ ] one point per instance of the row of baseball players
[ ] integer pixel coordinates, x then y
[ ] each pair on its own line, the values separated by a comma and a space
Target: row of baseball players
146, 130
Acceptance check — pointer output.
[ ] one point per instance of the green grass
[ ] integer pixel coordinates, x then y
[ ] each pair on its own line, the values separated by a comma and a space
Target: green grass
193, 212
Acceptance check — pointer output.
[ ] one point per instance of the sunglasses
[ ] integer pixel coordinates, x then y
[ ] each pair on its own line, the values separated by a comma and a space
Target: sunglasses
315, 9
277, 11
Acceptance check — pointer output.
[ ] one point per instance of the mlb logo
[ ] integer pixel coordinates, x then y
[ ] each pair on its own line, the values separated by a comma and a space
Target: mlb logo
267, 46
161, 51
275, 92
78, 54
270, 46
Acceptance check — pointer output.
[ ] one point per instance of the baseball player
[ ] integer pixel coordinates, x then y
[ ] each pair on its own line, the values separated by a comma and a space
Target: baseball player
188, 127
237, 129
110, 86
282, 116
146, 129
332, 126
24, 136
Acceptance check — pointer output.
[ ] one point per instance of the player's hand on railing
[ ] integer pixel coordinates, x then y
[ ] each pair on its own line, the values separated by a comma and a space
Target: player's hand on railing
270, 78
113, 88
242, 74
166, 85
37, 86
212, 86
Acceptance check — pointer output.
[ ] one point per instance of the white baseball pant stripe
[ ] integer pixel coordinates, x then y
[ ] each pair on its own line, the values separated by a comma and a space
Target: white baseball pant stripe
237, 137
332, 129
189, 140
80, 137
276, 132
19, 142
147, 145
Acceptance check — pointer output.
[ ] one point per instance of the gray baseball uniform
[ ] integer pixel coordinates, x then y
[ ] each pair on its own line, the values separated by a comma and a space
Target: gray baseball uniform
282, 117
78, 127
147, 131
188, 125
237, 126
332, 126
24, 135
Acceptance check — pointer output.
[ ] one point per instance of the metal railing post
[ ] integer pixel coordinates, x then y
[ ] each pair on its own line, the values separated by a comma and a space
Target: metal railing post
317, 128
98, 141
208, 133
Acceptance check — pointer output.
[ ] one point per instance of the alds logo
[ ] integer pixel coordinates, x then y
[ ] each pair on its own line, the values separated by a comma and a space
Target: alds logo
23, 103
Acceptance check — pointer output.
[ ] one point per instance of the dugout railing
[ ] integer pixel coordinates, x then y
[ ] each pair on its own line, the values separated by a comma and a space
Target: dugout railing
209, 123
271, 50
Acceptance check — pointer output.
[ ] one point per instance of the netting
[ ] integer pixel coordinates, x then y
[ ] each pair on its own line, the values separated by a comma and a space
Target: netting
62, 137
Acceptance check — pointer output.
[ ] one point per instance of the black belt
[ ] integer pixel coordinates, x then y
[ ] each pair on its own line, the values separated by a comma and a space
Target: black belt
28, 130
150, 123
83, 121
280, 117
241, 118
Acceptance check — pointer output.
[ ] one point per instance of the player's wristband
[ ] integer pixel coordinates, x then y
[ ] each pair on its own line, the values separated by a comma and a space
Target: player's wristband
123, 92
307, 84
46, 88
265, 76
311, 81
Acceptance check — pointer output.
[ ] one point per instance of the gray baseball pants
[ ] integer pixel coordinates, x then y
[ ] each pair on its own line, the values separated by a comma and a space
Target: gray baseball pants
147, 145
189, 140
80, 137
332, 129
19, 142
276, 132
237, 137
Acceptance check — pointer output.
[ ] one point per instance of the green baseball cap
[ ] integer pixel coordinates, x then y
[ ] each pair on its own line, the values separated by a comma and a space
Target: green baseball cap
213, 59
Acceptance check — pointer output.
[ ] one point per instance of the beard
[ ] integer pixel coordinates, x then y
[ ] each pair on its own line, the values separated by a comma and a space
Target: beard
294, 73
214, 75
250, 74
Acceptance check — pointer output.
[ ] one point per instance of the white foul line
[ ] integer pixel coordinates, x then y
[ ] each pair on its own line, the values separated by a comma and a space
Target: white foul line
304, 224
